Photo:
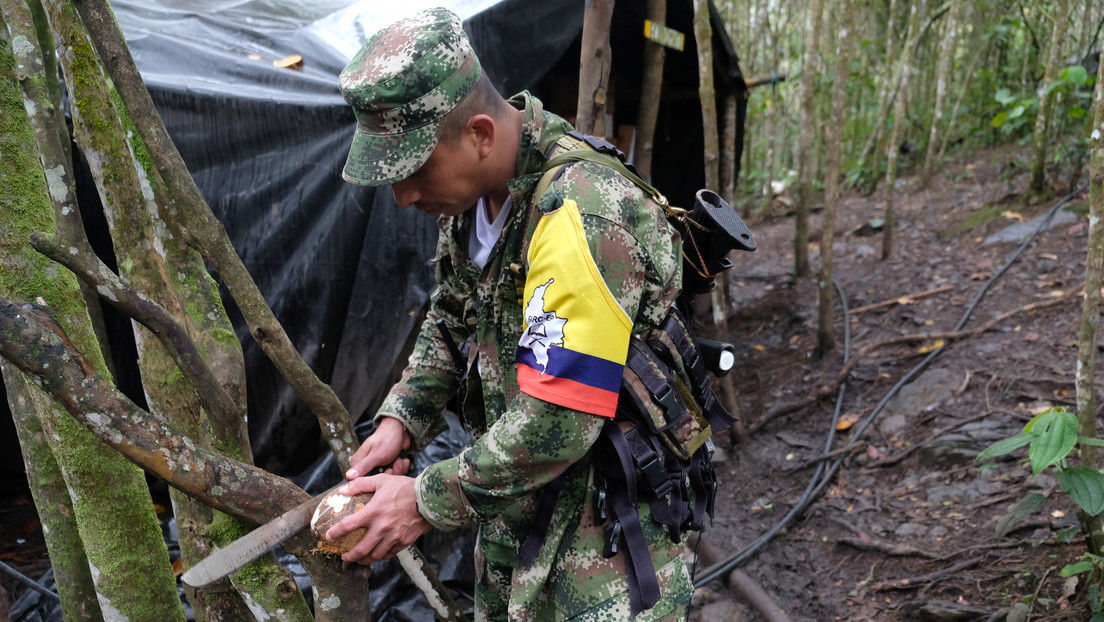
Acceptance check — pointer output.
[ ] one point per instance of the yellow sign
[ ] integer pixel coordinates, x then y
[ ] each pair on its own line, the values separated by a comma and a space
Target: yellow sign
667, 37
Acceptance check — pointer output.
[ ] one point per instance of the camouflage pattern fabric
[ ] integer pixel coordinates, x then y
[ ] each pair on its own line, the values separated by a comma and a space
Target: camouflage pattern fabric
401, 84
521, 442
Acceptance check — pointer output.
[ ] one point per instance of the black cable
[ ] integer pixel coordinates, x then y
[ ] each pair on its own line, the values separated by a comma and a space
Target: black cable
814, 488
34, 585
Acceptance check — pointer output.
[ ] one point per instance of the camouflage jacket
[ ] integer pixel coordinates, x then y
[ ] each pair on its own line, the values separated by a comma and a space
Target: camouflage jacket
523, 441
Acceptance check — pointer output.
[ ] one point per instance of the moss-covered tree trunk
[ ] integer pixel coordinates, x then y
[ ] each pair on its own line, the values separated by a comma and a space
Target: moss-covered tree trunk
129, 185
51, 498
1090, 309
1053, 66
120, 533
806, 140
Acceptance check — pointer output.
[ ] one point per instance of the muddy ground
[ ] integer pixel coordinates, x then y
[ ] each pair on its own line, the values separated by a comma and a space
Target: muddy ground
906, 529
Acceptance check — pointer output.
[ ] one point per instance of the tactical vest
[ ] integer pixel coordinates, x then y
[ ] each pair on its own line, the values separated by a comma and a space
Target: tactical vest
657, 449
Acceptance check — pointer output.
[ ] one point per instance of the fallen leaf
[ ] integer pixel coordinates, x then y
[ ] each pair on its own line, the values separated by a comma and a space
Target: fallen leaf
846, 421
1010, 215
759, 347
1031, 337
926, 349
874, 453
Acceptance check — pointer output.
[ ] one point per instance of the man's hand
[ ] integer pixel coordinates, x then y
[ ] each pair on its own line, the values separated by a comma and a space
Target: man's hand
382, 448
391, 518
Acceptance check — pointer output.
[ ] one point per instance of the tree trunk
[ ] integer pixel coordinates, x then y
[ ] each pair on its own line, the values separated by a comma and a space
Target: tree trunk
728, 150
119, 176
806, 141
826, 333
707, 94
942, 84
1090, 309
111, 503
899, 112
1053, 66
651, 85
51, 498
594, 68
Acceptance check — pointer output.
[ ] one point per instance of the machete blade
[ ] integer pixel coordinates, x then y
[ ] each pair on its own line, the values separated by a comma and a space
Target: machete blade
253, 544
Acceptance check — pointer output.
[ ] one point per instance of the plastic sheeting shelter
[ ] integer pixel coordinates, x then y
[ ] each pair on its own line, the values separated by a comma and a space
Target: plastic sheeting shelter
345, 270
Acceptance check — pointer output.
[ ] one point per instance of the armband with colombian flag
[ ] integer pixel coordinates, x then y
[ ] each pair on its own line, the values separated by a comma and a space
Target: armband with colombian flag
576, 336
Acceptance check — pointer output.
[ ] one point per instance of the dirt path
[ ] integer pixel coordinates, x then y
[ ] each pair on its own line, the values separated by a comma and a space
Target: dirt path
907, 529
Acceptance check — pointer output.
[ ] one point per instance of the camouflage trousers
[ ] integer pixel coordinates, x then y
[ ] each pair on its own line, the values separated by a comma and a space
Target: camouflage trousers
494, 581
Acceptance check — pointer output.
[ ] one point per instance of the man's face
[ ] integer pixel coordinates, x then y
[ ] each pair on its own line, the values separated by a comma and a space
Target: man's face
444, 185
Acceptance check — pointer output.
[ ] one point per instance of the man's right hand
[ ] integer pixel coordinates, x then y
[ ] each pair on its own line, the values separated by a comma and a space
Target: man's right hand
382, 448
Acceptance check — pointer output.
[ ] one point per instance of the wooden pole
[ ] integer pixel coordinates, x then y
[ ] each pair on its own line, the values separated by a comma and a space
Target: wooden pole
594, 68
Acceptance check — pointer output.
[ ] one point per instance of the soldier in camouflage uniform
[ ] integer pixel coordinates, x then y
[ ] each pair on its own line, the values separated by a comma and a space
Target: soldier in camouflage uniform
598, 263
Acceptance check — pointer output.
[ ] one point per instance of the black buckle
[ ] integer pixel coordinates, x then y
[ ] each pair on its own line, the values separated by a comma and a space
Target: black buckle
600, 504
668, 401
657, 478
613, 539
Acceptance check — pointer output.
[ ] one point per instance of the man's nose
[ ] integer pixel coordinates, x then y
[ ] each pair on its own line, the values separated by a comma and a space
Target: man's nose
405, 193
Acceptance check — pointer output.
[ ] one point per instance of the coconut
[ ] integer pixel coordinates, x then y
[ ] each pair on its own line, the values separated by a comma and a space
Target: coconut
329, 512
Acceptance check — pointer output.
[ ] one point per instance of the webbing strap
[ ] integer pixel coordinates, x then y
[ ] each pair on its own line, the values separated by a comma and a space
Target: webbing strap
645, 364
641, 573
546, 504
715, 413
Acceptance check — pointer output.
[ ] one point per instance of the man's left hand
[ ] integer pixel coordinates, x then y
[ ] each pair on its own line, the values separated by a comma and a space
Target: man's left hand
391, 518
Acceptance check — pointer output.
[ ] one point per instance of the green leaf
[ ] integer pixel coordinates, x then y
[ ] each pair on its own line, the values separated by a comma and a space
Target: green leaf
1085, 486
1005, 446
1075, 75
1053, 442
999, 119
1026, 507
1088, 440
1075, 111
1068, 534
1042, 419
1017, 111
1004, 97
1076, 568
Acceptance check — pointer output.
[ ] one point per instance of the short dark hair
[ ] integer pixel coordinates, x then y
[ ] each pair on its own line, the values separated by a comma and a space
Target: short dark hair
483, 99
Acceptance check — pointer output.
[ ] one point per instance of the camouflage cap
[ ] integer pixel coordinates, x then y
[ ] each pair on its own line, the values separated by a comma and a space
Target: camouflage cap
401, 85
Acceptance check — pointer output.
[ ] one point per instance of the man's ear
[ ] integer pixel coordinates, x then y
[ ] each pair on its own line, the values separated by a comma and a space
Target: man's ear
482, 131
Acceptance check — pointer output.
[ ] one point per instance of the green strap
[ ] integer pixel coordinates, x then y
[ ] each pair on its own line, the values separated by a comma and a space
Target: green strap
590, 155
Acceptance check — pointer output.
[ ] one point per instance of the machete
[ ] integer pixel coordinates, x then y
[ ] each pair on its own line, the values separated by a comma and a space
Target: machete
253, 544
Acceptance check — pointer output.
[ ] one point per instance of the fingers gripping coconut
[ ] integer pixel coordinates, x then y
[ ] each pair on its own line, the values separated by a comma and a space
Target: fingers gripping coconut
373, 518
329, 512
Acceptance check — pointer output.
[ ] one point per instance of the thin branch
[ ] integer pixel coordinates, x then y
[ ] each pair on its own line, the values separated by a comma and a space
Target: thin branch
906, 584
220, 406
